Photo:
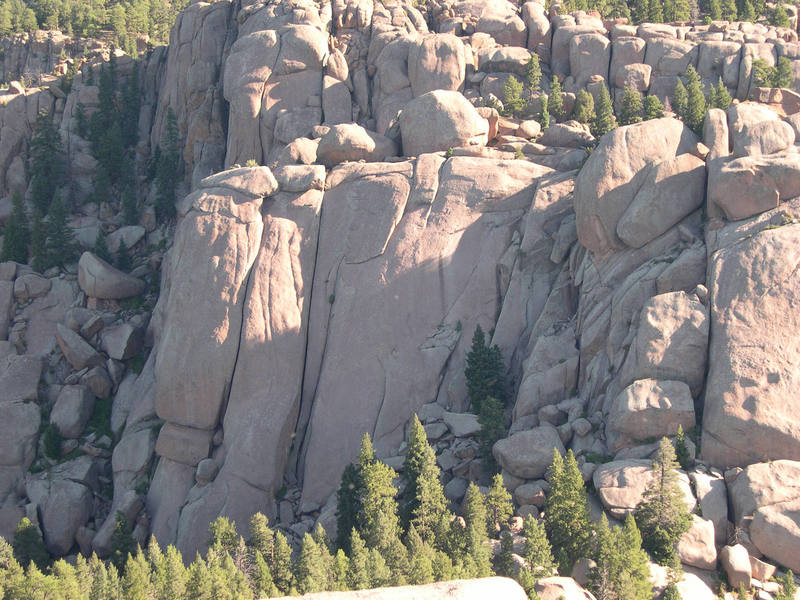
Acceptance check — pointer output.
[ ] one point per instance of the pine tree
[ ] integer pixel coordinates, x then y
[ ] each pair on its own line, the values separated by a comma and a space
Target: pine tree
533, 74
310, 570
584, 108
358, 577
423, 503
131, 100
779, 17
679, 100
172, 584
683, 11
263, 584
513, 101
661, 515
281, 565
348, 505
783, 73
341, 570
474, 512
130, 209
715, 9
503, 562
538, 553
720, 98
681, 451
262, 538
420, 557
632, 107
618, 9
555, 102
380, 575
788, 587
695, 102
653, 109
729, 11
655, 12
222, 535
60, 247
46, 157
544, 115
122, 543
28, 545
498, 505
100, 249
669, 11
746, 12
381, 525
566, 511
640, 11
123, 258
17, 233
622, 569
136, 578
198, 580
604, 114
38, 241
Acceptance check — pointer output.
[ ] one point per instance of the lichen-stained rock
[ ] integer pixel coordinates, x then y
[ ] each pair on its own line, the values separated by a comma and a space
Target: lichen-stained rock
437, 62
607, 183
265, 391
649, 409
390, 235
750, 400
215, 245
671, 190
744, 187
349, 141
440, 120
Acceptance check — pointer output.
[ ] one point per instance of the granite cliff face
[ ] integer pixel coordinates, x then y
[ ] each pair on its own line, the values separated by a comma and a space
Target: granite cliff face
333, 288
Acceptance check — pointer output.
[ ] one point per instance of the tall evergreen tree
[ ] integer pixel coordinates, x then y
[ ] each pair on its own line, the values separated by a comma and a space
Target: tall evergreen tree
604, 114
533, 74
544, 114
498, 505
423, 504
168, 169
779, 16
653, 109
678, 100
622, 571
655, 12
584, 108
17, 232
504, 562
695, 102
28, 545
474, 512
555, 101
729, 11
720, 98
381, 525
263, 584
310, 570
262, 538
513, 102
715, 9
46, 158
282, 564
122, 543
420, 557
683, 11
358, 577
632, 108
783, 73
100, 248
537, 552
341, 570
136, 578
130, 209
567, 511
662, 516
348, 505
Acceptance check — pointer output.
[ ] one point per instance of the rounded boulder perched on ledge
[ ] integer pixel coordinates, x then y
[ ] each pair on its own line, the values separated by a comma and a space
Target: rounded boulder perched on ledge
440, 120
99, 279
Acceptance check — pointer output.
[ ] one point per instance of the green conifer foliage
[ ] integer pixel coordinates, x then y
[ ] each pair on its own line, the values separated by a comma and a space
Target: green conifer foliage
381, 525
783, 73
348, 505
653, 109
729, 10
780, 17
123, 262
503, 562
533, 74
358, 577
681, 450
695, 102
282, 564
423, 503
222, 534
100, 249
310, 570
679, 100
130, 208
122, 543
420, 557
544, 115
168, 169
263, 584
661, 515
498, 505
683, 11
715, 9
622, 568
604, 114
60, 246
788, 587
136, 578
46, 158
341, 570
655, 11
632, 108
538, 553
640, 11
28, 545
17, 232
567, 511
720, 98
555, 101
584, 108
474, 513
513, 102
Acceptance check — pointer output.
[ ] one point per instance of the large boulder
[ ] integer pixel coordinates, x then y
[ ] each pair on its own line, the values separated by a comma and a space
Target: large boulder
352, 142
712, 496
620, 485
561, 588
439, 120
528, 454
671, 190
672, 340
78, 352
463, 589
99, 279
775, 531
72, 410
606, 186
437, 62
750, 401
19, 417
649, 408
736, 562
764, 137
747, 186
696, 547
763, 484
